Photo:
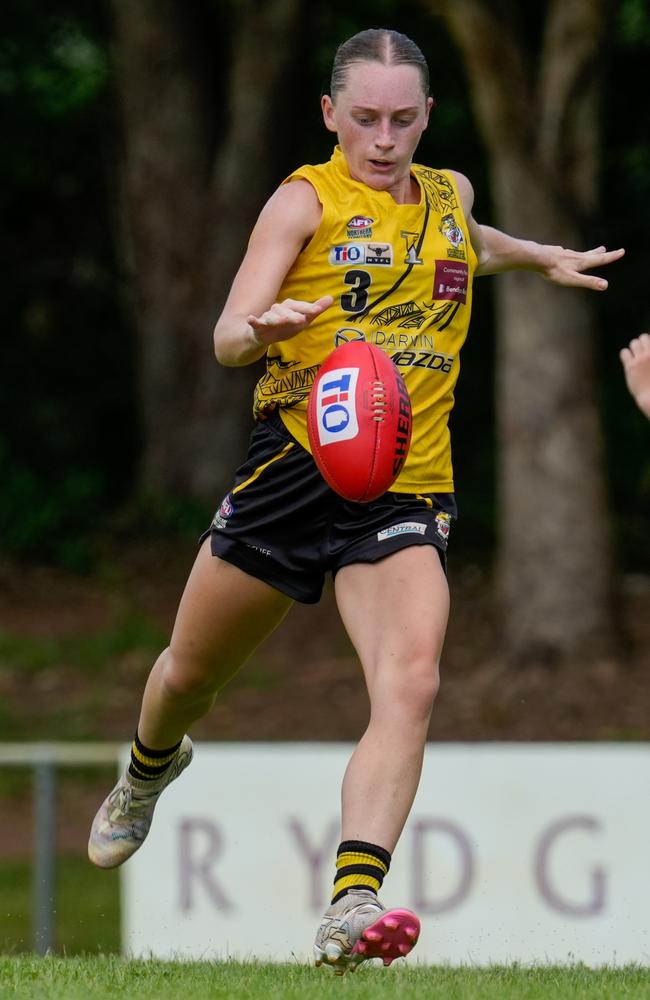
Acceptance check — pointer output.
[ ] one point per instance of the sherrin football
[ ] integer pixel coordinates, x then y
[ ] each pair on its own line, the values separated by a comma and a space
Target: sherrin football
359, 421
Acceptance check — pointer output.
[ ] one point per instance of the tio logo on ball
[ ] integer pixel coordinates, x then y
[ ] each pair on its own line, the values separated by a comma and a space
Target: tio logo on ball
336, 407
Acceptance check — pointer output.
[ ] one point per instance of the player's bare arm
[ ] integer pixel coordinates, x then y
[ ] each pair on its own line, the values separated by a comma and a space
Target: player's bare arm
251, 318
497, 252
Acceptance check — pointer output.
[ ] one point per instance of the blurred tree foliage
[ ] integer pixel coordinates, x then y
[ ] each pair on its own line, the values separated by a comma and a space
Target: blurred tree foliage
68, 444
70, 435
625, 310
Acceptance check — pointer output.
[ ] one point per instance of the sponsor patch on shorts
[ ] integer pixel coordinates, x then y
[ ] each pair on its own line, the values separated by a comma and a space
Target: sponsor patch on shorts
443, 524
225, 511
405, 528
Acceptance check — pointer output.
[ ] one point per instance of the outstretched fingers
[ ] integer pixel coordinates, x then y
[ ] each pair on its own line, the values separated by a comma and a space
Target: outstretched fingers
569, 266
289, 317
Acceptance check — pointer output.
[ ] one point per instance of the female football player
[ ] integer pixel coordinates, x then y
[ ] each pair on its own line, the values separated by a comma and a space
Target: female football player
367, 246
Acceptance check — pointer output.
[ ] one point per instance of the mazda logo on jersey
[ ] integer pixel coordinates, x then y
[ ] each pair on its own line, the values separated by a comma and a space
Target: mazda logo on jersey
347, 334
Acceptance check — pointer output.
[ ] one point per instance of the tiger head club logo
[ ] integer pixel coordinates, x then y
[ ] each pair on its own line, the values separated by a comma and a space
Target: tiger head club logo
360, 227
454, 234
443, 524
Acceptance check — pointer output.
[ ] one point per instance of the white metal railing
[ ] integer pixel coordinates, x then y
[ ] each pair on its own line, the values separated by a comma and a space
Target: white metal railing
44, 760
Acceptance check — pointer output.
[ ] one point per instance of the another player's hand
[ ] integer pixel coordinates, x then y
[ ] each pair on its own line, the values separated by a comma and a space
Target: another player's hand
286, 319
566, 267
636, 365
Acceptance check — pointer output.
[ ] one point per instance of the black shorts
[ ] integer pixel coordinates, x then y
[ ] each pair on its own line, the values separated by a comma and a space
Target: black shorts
283, 524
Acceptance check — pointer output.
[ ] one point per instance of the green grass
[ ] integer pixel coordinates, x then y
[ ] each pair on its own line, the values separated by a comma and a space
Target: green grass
77, 978
87, 908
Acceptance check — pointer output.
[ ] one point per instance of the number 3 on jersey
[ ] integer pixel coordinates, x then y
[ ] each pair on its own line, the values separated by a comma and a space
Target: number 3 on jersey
356, 300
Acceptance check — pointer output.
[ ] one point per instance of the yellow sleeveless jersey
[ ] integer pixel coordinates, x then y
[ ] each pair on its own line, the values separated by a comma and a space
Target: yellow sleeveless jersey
401, 278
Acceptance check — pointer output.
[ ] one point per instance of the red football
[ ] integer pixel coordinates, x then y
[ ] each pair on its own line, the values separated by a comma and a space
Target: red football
359, 421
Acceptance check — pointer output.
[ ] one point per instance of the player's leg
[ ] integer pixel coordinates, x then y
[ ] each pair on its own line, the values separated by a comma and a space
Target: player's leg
395, 612
223, 615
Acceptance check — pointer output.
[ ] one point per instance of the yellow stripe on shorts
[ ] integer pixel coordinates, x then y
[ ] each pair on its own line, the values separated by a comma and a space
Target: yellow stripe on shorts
260, 469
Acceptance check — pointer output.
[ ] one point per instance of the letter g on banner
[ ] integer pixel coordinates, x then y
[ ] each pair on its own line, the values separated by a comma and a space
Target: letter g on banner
551, 894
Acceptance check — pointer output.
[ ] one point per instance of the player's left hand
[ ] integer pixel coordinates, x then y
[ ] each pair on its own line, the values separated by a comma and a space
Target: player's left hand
566, 267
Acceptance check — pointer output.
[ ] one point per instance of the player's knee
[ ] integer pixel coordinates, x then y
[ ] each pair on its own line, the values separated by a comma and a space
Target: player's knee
413, 688
184, 678
424, 683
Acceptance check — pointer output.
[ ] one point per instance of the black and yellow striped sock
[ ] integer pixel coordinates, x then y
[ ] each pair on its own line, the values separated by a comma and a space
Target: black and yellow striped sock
147, 764
359, 865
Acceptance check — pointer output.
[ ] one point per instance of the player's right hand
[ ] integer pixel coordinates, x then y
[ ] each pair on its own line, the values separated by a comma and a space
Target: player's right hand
286, 319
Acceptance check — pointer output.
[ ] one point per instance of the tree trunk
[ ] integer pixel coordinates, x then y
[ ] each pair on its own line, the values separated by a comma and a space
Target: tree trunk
538, 120
195, 178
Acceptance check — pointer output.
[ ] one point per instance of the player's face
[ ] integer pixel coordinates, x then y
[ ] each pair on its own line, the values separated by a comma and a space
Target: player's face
379, 117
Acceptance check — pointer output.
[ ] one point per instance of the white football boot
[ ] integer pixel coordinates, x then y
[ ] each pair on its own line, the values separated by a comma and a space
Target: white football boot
359, 927
124, 817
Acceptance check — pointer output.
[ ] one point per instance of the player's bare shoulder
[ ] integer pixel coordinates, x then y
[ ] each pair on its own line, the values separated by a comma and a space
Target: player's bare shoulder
465, 190
292, 212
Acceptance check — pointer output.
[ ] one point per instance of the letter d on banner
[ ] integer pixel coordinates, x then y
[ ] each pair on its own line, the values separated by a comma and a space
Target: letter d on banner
421, 828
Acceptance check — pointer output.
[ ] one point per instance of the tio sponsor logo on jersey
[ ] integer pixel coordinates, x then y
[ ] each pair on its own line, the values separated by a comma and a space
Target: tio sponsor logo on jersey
362, 253
335, 406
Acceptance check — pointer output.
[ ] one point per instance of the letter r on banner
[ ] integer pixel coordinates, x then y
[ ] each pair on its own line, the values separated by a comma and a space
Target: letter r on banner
200, 844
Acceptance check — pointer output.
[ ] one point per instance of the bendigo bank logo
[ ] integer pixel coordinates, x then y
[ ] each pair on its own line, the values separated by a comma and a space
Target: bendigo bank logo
450, 281
335, 406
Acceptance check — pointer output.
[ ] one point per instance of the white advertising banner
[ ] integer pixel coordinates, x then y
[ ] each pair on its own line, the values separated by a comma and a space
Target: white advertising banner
532, 853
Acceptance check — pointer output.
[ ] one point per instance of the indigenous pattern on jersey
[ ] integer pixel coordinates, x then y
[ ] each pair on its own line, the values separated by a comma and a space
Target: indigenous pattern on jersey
401, 278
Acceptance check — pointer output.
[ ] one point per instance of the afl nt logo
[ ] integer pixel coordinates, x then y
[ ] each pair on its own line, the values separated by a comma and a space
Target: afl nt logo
347, 334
